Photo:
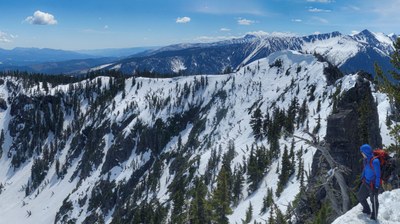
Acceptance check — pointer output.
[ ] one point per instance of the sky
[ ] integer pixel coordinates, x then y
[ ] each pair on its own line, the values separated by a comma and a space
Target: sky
99, 24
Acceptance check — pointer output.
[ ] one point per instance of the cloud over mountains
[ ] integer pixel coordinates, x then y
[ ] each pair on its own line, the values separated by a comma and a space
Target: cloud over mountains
41, 18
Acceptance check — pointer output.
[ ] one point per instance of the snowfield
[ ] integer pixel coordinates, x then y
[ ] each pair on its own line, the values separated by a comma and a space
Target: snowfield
389, 213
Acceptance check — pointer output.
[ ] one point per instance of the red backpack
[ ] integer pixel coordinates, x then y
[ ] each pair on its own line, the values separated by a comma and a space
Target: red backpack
386, 163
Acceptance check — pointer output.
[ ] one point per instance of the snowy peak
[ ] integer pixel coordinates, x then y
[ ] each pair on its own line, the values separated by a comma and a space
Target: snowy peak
366, 37
369, 37
345, 51
312, 38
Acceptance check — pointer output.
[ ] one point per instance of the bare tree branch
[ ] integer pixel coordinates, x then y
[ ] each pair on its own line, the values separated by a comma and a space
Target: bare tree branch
340, 170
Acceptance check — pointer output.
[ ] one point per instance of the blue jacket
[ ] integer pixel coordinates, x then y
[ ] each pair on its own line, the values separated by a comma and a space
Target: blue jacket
370, 174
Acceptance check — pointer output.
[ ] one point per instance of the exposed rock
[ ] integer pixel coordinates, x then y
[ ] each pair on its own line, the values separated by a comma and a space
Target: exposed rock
346, 127
3, 104
345, 130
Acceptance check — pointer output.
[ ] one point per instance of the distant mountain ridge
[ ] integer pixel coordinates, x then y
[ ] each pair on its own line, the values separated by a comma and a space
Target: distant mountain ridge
53, 61
27, 56
349, 52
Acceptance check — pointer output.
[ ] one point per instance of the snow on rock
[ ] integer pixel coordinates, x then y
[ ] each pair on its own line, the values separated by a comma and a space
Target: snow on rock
99, 67
389, 203
337, 49
177, 65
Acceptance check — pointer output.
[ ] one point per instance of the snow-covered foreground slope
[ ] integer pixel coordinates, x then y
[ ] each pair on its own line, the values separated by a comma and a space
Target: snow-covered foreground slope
389, 204
118, 145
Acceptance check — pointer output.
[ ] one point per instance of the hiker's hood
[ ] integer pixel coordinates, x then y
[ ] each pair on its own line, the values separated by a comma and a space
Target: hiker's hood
367, 150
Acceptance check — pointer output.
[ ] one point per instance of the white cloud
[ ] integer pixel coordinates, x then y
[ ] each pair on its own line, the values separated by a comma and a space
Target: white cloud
321, 20
297, 20
6, 38
184, 19
106, 27
318, 10
225, 29
283, 34
245, 22
229, 7
41, 18
352, 8
210, 39
258, 33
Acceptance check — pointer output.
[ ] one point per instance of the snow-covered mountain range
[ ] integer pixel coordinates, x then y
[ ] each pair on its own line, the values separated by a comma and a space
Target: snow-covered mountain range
142, 150
350, 53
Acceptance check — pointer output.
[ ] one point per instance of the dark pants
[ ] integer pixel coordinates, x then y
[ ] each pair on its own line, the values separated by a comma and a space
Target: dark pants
362, 195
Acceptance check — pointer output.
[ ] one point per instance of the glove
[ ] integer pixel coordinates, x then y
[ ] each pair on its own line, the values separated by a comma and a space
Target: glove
375, 190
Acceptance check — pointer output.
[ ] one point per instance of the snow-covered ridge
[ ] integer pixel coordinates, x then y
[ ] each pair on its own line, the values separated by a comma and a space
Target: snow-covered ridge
344, 51
226, 103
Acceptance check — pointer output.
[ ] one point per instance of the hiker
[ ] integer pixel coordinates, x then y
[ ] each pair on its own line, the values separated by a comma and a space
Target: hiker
370, 178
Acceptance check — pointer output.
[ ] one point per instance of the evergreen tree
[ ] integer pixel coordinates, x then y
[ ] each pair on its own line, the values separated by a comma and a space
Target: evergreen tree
285, 172
268, 200
280, 217
300, 164
291, 116
199, 209
265, 124
1, 142
256, 123
238, 180
364, 110
58, 167
220, 201
257, 164
211, 167
303, 113
322, 215
271, 218
390, 84
249, 214
178, 199
292, 158
318, 126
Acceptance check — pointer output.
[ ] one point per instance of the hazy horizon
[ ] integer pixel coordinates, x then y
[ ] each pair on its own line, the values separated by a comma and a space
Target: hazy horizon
92, 24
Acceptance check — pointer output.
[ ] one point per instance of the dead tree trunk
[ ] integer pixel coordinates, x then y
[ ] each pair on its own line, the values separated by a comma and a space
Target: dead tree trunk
339, 171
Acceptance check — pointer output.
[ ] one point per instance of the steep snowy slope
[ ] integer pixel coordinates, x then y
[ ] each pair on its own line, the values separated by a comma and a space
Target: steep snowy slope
388, 211
110, 148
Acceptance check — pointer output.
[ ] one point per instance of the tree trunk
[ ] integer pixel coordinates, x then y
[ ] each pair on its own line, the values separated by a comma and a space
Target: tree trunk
338, 174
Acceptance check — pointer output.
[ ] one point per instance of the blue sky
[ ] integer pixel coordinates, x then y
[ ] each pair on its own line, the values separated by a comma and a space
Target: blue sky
95, 24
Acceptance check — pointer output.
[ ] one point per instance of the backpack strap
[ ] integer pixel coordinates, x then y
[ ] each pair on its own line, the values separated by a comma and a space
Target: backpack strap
372, 167
370, 162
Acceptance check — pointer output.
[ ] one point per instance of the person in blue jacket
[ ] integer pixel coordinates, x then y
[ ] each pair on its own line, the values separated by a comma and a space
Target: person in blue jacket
371, 180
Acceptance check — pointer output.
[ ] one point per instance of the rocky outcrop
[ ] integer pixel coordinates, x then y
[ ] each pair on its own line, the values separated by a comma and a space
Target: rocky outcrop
352, 123
3, 104
355, 122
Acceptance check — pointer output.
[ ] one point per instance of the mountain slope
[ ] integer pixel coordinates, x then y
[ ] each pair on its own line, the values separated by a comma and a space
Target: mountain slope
388, 211
344, 51
112, 148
